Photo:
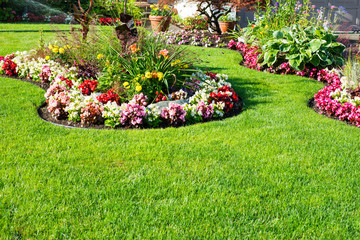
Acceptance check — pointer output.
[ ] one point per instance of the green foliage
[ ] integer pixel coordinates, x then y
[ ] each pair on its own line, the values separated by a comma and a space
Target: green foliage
196, 22
351, 71
302, 47
6, 14
227, 18
154, 66
110, 8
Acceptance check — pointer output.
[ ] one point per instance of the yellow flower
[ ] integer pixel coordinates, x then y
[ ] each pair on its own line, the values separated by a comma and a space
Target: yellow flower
107, 63
160, 76
136, 79
156, 9
51, 47
152, 6
148, 75
166, 7
100, 56
61, 50
55, 50
185, 66
138, 88
67, 47
126, 84
47, 58
176, 62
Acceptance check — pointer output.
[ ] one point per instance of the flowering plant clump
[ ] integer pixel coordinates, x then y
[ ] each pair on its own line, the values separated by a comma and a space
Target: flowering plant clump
91, 114
140, 99
57, 104
45, 74
160, 10
225, 95
174, 114
9, 67
110, 96
88, 86
205, 111
194, 37
132, 115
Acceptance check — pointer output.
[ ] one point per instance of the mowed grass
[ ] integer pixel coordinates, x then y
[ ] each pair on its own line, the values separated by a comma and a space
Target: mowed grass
277, 170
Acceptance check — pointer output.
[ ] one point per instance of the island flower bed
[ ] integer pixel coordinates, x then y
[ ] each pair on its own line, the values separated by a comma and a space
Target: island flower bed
74, 97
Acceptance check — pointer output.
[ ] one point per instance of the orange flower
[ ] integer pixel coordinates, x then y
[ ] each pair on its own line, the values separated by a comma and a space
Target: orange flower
133, 48
164, 52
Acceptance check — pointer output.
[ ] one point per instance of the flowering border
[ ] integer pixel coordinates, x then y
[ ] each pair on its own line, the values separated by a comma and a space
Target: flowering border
74, 99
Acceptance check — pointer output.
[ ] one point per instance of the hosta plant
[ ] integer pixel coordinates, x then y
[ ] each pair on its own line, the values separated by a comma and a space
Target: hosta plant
311, 46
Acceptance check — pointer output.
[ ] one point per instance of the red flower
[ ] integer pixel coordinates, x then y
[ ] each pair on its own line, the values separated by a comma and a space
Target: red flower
88, 86
110, 96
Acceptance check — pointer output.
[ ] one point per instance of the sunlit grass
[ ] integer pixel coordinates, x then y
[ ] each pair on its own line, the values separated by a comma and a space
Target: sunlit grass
277, 170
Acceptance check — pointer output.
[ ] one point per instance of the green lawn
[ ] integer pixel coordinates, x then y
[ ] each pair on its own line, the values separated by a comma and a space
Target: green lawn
277, 170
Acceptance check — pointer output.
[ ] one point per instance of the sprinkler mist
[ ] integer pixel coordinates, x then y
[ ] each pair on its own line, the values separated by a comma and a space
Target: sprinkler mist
44, 7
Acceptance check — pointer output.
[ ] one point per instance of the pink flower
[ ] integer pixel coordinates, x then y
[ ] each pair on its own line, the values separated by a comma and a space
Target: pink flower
164, 52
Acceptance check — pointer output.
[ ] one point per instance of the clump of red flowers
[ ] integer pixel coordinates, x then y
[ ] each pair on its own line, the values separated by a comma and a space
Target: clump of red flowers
212, 75
9, 67
68, 82
110, 96
88, 86
160, 96
226, 95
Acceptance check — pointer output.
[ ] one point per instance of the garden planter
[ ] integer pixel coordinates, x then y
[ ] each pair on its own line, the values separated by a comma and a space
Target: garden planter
226, 26
160, 23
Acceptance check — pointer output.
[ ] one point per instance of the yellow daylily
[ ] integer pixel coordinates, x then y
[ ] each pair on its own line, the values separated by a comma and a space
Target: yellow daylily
138, 88
160, 76
126, 84
61, 50
148, 75
47, 58
100, 56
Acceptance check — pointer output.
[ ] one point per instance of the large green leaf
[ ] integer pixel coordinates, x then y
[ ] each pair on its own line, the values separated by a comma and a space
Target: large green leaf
278, 34
315, 60
339, 61
315, 44
285, 47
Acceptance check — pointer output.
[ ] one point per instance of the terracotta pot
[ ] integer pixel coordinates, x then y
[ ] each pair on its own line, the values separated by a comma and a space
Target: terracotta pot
226, 26
160, 23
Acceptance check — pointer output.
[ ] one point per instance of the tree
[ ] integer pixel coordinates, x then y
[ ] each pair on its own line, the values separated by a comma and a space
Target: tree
214, 9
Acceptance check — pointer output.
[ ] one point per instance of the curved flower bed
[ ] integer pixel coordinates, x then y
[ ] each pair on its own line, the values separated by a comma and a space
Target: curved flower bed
335, 100
75, 102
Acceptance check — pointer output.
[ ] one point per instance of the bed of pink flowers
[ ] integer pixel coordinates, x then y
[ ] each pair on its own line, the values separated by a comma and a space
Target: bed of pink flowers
345, 111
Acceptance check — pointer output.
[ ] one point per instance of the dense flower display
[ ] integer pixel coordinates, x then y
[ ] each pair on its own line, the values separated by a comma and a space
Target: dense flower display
75, 99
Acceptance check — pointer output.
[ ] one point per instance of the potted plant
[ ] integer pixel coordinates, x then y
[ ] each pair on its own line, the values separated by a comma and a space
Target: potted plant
227, 22
160, 17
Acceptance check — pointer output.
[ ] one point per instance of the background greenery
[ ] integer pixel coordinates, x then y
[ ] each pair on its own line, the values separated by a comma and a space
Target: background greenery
277, 170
